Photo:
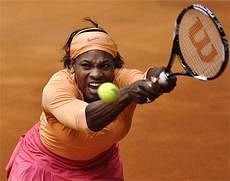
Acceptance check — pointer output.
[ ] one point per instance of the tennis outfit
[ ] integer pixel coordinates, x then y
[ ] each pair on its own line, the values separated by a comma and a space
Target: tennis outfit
61, 146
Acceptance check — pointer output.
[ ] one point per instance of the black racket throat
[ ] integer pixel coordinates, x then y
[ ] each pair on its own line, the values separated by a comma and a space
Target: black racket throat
174, 52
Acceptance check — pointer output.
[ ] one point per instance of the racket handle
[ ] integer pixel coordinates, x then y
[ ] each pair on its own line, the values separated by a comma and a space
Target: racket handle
163, 77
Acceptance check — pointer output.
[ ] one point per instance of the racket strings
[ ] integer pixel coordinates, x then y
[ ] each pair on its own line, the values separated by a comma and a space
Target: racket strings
202, 66
200, 44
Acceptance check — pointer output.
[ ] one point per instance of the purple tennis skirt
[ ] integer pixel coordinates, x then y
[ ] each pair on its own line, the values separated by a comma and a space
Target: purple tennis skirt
31, 161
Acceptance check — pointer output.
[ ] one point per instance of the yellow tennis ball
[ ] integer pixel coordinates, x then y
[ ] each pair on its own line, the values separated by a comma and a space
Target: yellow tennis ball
108, 92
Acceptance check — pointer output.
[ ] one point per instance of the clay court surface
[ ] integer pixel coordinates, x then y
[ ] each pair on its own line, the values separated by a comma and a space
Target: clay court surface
183, 136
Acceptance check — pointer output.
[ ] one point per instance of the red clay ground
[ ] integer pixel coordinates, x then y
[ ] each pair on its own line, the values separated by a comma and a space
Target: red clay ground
183, 136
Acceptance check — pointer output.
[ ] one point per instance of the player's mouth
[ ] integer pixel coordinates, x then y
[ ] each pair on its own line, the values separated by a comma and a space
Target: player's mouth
93, 86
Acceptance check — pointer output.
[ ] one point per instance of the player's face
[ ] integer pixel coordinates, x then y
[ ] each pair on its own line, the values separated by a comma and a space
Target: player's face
93, 68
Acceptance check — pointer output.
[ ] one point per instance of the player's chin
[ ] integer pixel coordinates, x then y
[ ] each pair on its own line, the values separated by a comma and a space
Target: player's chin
91, 95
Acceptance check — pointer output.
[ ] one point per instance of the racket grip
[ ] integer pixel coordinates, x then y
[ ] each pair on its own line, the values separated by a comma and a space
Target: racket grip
163, 78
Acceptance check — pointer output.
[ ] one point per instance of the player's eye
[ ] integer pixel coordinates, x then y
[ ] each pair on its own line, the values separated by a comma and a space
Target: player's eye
106, 66
86, 66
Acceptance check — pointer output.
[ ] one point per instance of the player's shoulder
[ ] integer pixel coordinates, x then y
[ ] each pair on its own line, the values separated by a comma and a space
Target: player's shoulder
126, 73
62, 75
126, 76
62, 78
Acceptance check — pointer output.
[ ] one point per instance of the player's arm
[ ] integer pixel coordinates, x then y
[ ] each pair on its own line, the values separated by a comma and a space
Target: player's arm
99, 114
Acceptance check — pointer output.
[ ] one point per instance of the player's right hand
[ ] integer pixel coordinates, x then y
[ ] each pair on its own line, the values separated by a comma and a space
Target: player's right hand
144, 91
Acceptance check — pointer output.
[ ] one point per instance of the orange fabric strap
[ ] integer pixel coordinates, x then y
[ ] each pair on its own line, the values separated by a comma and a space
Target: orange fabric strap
83, 42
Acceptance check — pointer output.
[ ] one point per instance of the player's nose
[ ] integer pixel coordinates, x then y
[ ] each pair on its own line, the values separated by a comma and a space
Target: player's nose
96, 73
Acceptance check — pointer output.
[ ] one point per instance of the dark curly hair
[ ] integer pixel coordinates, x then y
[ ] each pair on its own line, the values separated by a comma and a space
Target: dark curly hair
67, 59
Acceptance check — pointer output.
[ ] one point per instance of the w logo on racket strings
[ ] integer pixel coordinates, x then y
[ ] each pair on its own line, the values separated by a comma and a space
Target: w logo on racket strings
201, 44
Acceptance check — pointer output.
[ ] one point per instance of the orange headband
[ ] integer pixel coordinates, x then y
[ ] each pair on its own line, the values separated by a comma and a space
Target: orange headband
85, 41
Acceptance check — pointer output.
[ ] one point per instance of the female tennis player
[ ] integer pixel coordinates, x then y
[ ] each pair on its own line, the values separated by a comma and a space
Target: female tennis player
78, 134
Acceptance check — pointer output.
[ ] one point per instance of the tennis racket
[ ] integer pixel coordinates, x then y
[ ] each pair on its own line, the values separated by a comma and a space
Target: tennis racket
200, 45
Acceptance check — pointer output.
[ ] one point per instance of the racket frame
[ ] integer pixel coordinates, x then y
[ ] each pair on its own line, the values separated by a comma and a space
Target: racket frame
177, 52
